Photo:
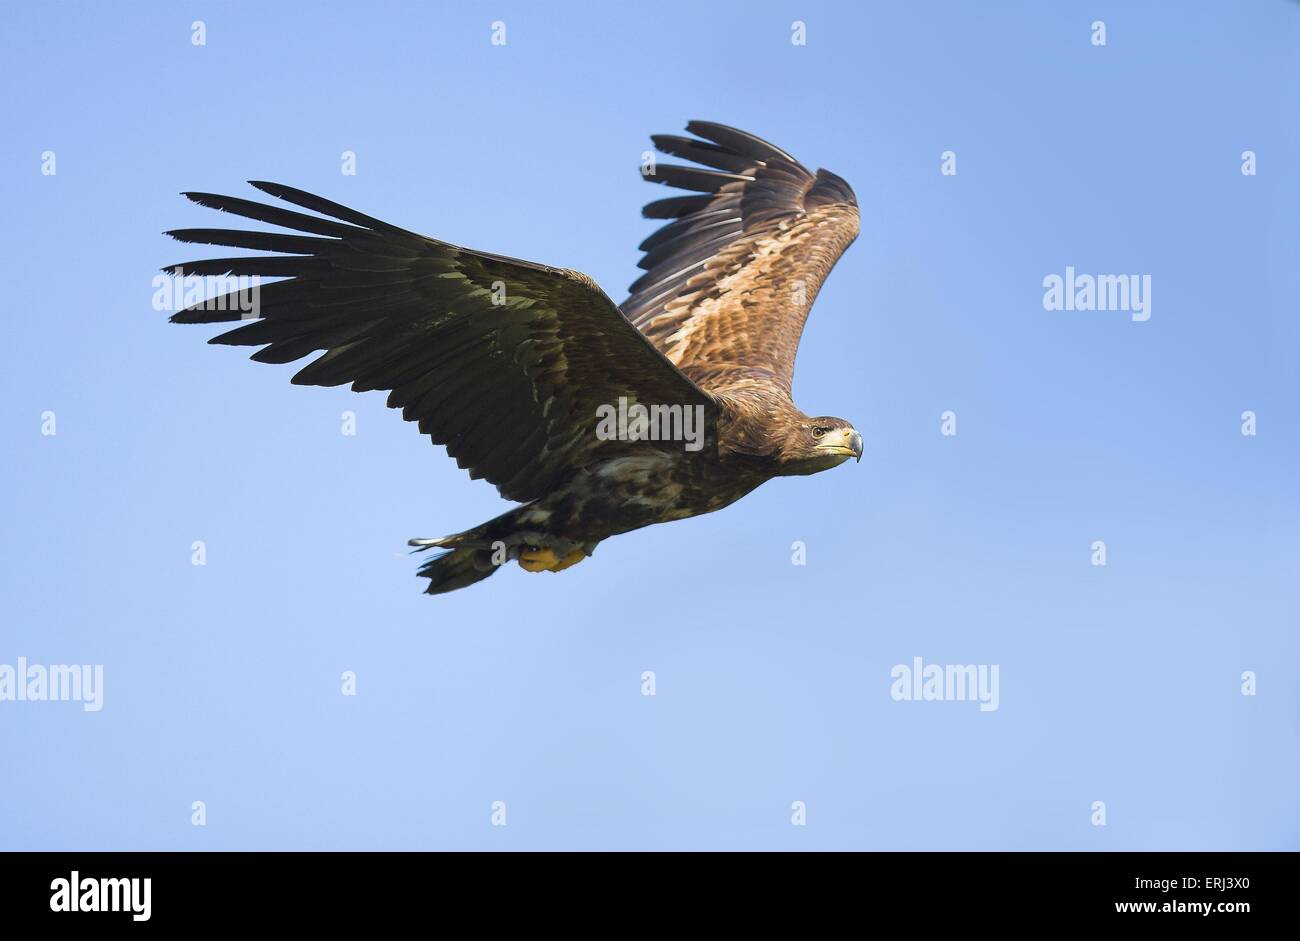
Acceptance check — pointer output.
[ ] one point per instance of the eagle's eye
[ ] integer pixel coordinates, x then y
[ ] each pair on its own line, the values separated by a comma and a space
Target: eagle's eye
819, 430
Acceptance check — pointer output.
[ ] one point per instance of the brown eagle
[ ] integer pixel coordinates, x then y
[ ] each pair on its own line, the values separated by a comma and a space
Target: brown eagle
598, 418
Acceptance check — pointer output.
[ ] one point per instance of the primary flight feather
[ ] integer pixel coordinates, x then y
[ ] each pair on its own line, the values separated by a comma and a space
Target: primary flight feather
599, 419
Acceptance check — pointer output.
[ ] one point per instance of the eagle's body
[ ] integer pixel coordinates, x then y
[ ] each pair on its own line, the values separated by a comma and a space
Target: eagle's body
619, 495
515, 366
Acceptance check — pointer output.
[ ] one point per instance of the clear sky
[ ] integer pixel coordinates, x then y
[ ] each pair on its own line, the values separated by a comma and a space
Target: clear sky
1120, 684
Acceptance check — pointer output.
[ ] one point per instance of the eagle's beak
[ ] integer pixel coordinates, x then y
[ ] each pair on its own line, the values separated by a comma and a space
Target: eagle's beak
845, 441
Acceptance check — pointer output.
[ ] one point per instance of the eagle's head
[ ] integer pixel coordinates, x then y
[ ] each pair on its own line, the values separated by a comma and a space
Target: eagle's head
817, 444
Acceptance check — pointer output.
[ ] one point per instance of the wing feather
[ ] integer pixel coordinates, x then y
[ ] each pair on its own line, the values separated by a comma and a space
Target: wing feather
730, 280
509, 382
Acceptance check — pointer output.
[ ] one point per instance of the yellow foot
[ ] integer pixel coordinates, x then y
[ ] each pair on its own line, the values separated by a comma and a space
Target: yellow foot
537, 560
545, 560
573, 558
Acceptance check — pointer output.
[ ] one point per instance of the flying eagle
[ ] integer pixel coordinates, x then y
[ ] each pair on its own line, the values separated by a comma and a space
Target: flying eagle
598, 418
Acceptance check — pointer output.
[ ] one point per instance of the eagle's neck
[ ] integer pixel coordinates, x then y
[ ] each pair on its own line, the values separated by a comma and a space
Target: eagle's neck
754, 421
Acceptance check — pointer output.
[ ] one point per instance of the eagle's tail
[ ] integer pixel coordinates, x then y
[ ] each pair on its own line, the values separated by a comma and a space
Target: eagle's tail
456, 569
475, 554
513, 536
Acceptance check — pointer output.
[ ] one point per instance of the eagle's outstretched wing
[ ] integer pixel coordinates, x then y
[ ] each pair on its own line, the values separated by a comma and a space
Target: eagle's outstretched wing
729, 282
503, 361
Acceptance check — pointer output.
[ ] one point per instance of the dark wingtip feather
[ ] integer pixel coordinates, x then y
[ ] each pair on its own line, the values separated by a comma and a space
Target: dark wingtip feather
324, 206
201, 314
701, 151
674, 206
741, 142
696, 179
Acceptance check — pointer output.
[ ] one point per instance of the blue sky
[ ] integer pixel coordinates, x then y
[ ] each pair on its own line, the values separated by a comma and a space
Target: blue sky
1119, 684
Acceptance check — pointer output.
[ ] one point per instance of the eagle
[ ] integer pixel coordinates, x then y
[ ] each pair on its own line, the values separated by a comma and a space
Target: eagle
597, 418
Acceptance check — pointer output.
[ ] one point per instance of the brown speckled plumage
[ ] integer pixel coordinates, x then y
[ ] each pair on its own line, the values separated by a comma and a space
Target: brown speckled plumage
508, 362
